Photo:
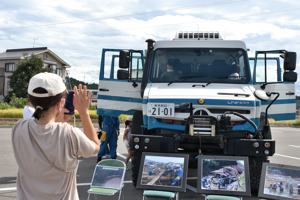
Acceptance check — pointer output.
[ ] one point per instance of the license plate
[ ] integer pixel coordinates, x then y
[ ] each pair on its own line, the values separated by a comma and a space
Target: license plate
161, 109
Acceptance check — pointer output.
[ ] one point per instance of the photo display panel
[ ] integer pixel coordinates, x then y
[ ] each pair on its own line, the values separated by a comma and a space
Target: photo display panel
279, 181
227, 175
161, 171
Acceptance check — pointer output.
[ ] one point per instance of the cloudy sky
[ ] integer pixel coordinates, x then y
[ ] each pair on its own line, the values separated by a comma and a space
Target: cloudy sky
77, 31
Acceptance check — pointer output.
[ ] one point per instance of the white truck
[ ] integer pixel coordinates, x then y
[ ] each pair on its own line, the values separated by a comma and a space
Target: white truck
199, 94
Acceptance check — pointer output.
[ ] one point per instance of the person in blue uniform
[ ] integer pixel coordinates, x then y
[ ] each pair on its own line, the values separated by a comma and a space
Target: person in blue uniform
178, 176
204, 181
219, 184
169, 170
111, 131
151, 171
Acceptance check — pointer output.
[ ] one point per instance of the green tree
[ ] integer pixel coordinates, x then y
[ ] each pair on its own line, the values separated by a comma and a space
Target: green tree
92, 86
26, 68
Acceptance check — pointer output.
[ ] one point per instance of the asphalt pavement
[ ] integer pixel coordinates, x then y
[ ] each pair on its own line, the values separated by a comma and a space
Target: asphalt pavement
287, 152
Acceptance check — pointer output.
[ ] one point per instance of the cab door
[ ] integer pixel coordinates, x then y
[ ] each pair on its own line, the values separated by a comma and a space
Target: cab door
272, 74
119, 89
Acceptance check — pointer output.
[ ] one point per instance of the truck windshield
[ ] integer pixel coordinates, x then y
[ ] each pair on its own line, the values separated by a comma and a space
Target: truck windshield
200, 65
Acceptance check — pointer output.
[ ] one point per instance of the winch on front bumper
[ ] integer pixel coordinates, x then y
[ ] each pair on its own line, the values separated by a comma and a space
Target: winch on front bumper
203, 134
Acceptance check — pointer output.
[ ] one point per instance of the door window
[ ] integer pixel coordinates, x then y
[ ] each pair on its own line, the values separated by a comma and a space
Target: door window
111, 65
136, 67
268, 69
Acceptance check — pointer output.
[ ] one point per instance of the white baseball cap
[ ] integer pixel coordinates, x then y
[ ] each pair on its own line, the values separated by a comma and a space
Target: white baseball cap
52, 83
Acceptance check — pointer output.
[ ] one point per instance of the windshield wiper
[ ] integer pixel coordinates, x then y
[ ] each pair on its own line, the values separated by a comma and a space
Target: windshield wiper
214, 81
182, 78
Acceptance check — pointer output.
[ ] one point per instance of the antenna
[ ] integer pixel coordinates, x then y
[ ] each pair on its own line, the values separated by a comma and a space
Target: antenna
34, 39
198, 32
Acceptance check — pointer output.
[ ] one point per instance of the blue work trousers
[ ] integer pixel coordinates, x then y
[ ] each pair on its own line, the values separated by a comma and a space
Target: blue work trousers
111, 140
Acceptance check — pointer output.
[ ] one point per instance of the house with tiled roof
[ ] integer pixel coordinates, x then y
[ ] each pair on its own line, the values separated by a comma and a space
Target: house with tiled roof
10, 59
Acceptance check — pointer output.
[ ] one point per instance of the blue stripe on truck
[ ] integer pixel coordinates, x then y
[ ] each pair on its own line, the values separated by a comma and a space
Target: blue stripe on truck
119, 98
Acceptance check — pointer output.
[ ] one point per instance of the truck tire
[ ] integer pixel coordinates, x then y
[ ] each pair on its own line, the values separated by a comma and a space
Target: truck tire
137, 122
256, 162
255, 166
135, 163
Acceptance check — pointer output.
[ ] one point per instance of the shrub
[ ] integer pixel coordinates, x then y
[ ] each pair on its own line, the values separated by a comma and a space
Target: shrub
4, 106
11, 113
92, 113
92, 107
17, 102
297, 123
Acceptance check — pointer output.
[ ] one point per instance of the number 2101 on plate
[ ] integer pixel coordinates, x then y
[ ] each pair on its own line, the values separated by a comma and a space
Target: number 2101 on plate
161, 109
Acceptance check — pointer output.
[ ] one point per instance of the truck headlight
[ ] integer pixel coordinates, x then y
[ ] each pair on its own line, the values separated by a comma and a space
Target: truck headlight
137, 146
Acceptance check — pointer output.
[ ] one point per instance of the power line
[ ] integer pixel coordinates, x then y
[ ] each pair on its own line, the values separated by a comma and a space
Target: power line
196, 21
128, 15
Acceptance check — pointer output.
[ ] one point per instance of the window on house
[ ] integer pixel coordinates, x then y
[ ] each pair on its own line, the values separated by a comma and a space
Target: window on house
45, 56
59, 72
53, 68
10, 67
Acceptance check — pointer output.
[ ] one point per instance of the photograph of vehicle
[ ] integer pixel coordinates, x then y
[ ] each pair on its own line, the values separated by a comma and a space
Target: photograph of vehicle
223, 175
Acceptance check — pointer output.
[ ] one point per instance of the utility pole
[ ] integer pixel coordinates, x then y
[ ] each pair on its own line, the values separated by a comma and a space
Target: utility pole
34, 39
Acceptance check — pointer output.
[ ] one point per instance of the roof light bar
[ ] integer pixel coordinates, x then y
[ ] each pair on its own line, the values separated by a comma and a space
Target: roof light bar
196, 35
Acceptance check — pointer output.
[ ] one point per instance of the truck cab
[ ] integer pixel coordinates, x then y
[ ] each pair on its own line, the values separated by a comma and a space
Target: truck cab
199, 94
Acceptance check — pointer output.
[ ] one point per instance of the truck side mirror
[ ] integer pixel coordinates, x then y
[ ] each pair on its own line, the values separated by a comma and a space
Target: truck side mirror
262, 95
290, 77
124, 59
290, 60
122, 74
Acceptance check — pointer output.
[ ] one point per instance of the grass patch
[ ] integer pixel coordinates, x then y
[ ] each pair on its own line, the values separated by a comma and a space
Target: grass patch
285, 122
18, 113
7, 123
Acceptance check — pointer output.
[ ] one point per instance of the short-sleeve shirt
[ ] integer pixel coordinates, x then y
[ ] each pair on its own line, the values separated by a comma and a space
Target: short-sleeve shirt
129, 132
61, 144
28, 112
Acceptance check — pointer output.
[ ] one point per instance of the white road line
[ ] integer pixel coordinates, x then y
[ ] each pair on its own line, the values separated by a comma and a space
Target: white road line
7, 189
78, 184
124, 157
287, 156
294, 146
